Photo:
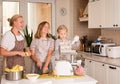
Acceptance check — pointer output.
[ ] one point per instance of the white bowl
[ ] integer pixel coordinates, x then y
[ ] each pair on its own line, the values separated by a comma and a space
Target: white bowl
32, 76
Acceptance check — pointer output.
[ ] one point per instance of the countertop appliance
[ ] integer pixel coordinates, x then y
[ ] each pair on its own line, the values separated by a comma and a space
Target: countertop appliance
63, 68
100, 48
113, 51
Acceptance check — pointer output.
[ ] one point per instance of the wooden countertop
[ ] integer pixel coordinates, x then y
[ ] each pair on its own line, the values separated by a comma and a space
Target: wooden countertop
90, 56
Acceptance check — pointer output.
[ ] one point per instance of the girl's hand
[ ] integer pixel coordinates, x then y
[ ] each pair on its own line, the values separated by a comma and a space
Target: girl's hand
45, 69
39, 64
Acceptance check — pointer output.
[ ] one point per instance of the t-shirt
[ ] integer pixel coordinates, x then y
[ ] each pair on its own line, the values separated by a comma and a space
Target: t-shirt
8, 40
41, 47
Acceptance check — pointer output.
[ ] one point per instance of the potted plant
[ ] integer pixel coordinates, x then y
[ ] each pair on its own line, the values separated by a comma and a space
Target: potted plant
52, 36
28, 36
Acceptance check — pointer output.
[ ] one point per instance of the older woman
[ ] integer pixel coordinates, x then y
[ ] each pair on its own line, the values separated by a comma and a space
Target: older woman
13, 43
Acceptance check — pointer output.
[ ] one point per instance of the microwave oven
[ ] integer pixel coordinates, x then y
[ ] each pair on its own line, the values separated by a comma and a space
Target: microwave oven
100, 48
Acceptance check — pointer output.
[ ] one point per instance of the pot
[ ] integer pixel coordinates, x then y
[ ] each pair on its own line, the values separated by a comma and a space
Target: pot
14, 75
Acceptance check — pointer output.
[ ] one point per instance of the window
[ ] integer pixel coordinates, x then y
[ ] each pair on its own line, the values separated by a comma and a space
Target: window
9, 9
33, 11
38, 12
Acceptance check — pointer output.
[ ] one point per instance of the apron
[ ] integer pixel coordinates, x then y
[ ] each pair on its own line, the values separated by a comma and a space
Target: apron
16, 59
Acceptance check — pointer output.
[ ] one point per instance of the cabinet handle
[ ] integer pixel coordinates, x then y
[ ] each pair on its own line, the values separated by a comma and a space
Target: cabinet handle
114, 25
100, 25
103, 64
111, 67
90, 61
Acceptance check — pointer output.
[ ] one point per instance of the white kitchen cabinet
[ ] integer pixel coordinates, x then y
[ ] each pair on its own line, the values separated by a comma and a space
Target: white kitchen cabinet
100, 72
96, 70
117, 13
112, 13
96, 14
113, 74
103, 73
104, 14
89, 67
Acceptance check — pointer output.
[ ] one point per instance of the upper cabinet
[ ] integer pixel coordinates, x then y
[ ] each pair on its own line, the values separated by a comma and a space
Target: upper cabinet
112, 13
96, 14
104, 14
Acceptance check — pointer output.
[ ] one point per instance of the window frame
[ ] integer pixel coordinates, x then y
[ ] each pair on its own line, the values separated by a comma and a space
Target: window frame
23, 11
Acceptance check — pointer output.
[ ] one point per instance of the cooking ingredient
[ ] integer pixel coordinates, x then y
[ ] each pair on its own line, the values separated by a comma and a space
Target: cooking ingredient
14, 68
54, 73
79, 70
27, 54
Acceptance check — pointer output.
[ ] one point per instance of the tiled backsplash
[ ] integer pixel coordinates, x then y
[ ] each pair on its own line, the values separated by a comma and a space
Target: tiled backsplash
113, 34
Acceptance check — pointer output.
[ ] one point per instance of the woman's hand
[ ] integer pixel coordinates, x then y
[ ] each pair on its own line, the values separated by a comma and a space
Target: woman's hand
20, 53
28, 51
39, 64
45, 69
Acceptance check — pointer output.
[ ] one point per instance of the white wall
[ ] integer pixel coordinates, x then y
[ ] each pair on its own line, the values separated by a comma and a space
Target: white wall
66, 19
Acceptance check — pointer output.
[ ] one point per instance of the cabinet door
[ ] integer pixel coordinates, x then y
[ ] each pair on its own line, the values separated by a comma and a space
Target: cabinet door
96, 14
100, 72
109, 13
117, 12
113, 75
89, 67
112, 13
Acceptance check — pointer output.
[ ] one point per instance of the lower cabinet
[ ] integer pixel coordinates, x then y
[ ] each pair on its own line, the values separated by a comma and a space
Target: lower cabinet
100, 72
89, 67
113, 74
103, 73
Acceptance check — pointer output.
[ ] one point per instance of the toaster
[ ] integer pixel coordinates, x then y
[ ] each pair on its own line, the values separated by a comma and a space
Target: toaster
113, 51
63, 68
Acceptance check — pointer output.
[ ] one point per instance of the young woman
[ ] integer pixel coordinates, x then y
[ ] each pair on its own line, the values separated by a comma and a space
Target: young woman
42, 48
13, 43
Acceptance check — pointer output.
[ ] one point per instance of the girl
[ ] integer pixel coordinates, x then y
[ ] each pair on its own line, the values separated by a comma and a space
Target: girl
63, 43
13, 43
42, 48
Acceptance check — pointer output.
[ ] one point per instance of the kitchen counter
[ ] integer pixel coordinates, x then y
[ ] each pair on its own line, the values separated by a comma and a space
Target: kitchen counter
111, 61
82, 80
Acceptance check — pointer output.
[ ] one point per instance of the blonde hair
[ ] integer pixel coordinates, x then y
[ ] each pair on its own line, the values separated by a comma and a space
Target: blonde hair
39, 29
13, 18
62, 27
